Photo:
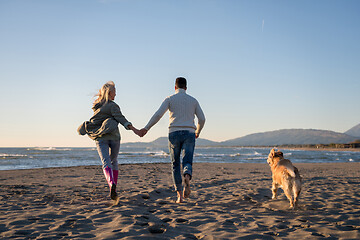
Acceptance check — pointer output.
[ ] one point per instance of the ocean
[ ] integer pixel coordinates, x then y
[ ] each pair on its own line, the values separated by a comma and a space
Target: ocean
29, 158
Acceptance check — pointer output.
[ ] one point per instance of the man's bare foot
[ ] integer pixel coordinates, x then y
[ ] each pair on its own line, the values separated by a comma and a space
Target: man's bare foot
179, 197
187, 190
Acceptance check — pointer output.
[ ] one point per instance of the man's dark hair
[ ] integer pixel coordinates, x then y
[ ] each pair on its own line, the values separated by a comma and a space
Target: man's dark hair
180, 82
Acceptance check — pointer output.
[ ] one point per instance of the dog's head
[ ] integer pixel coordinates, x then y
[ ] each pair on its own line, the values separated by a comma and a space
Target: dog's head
274, 156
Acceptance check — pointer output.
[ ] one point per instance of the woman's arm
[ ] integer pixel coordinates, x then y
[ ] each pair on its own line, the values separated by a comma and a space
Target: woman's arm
119, 117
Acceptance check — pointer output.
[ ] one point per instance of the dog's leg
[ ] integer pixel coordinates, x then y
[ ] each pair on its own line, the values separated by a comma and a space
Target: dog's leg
287, 191
274, 190
296, 191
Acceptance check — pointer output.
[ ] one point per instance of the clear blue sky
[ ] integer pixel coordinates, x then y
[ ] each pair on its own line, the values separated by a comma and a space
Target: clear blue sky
254, 66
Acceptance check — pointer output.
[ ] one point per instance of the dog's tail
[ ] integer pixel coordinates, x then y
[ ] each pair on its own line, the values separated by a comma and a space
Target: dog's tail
291, 171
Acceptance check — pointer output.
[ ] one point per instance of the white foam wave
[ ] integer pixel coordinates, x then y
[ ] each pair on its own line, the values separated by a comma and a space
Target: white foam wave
256, 158
332, 154
235, 155
43, 148
150, 153
49, 149
210, 155
5, 155
245, 154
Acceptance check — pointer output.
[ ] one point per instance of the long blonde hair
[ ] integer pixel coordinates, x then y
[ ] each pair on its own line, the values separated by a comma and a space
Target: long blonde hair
104, 92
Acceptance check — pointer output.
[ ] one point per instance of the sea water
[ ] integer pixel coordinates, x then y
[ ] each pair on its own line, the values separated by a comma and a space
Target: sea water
28, 158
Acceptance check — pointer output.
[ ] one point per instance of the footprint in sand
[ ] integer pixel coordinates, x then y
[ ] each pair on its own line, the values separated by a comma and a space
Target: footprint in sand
156, 228
181, 220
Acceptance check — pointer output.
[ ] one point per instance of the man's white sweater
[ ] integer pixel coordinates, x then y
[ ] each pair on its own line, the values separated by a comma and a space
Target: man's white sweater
182, 109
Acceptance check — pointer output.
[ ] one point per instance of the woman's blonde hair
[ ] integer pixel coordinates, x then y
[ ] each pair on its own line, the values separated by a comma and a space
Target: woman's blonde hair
104, 92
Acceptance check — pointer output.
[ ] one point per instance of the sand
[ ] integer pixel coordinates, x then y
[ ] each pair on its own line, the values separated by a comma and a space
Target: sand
228, 201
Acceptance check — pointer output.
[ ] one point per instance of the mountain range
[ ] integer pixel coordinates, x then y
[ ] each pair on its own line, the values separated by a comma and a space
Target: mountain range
355, 131
272, 138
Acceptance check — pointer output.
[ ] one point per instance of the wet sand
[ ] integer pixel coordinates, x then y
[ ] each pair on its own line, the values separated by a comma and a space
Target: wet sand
228, 201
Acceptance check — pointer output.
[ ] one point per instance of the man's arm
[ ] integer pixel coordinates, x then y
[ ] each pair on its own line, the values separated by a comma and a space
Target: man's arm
158, 114
201, 120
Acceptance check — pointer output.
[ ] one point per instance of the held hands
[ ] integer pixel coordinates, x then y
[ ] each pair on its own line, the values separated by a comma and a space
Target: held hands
135, 130
142, 132
138, 132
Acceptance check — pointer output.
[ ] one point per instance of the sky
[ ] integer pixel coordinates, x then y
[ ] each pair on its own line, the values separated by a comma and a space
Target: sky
254, 66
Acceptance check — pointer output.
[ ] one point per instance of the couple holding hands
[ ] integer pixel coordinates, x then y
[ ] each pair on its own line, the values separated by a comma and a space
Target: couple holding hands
103, 128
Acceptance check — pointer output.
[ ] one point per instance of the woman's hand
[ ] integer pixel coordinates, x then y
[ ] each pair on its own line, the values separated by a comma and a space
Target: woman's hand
138, 132
143, 132
135, 130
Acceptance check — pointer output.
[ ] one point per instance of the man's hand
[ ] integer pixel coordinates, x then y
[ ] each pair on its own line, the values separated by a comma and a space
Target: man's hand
135, 130
142, 132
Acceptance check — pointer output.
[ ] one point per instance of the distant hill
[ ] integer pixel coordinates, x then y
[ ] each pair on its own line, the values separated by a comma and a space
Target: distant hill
272, 138
290, 136
355, 131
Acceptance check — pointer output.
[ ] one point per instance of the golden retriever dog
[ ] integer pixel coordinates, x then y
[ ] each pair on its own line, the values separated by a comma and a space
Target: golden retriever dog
285, 175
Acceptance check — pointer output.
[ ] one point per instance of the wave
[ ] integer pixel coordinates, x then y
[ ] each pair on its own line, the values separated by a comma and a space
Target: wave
49, 149
255, 158
42, 149
212, 155
21, 158
5, 155
230, 155
156, 153
332, 154
235, 155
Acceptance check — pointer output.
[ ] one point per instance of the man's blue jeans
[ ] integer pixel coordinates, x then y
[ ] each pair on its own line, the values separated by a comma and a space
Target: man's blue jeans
178, 141
108, 151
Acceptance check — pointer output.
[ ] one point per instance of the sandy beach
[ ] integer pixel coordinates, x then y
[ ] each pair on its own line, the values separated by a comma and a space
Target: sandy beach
228, 201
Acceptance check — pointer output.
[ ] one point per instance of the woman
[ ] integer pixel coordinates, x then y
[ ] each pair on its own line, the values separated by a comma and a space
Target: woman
102, 127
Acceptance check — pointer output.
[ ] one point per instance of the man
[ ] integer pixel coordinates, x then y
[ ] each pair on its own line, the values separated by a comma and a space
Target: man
182, 133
